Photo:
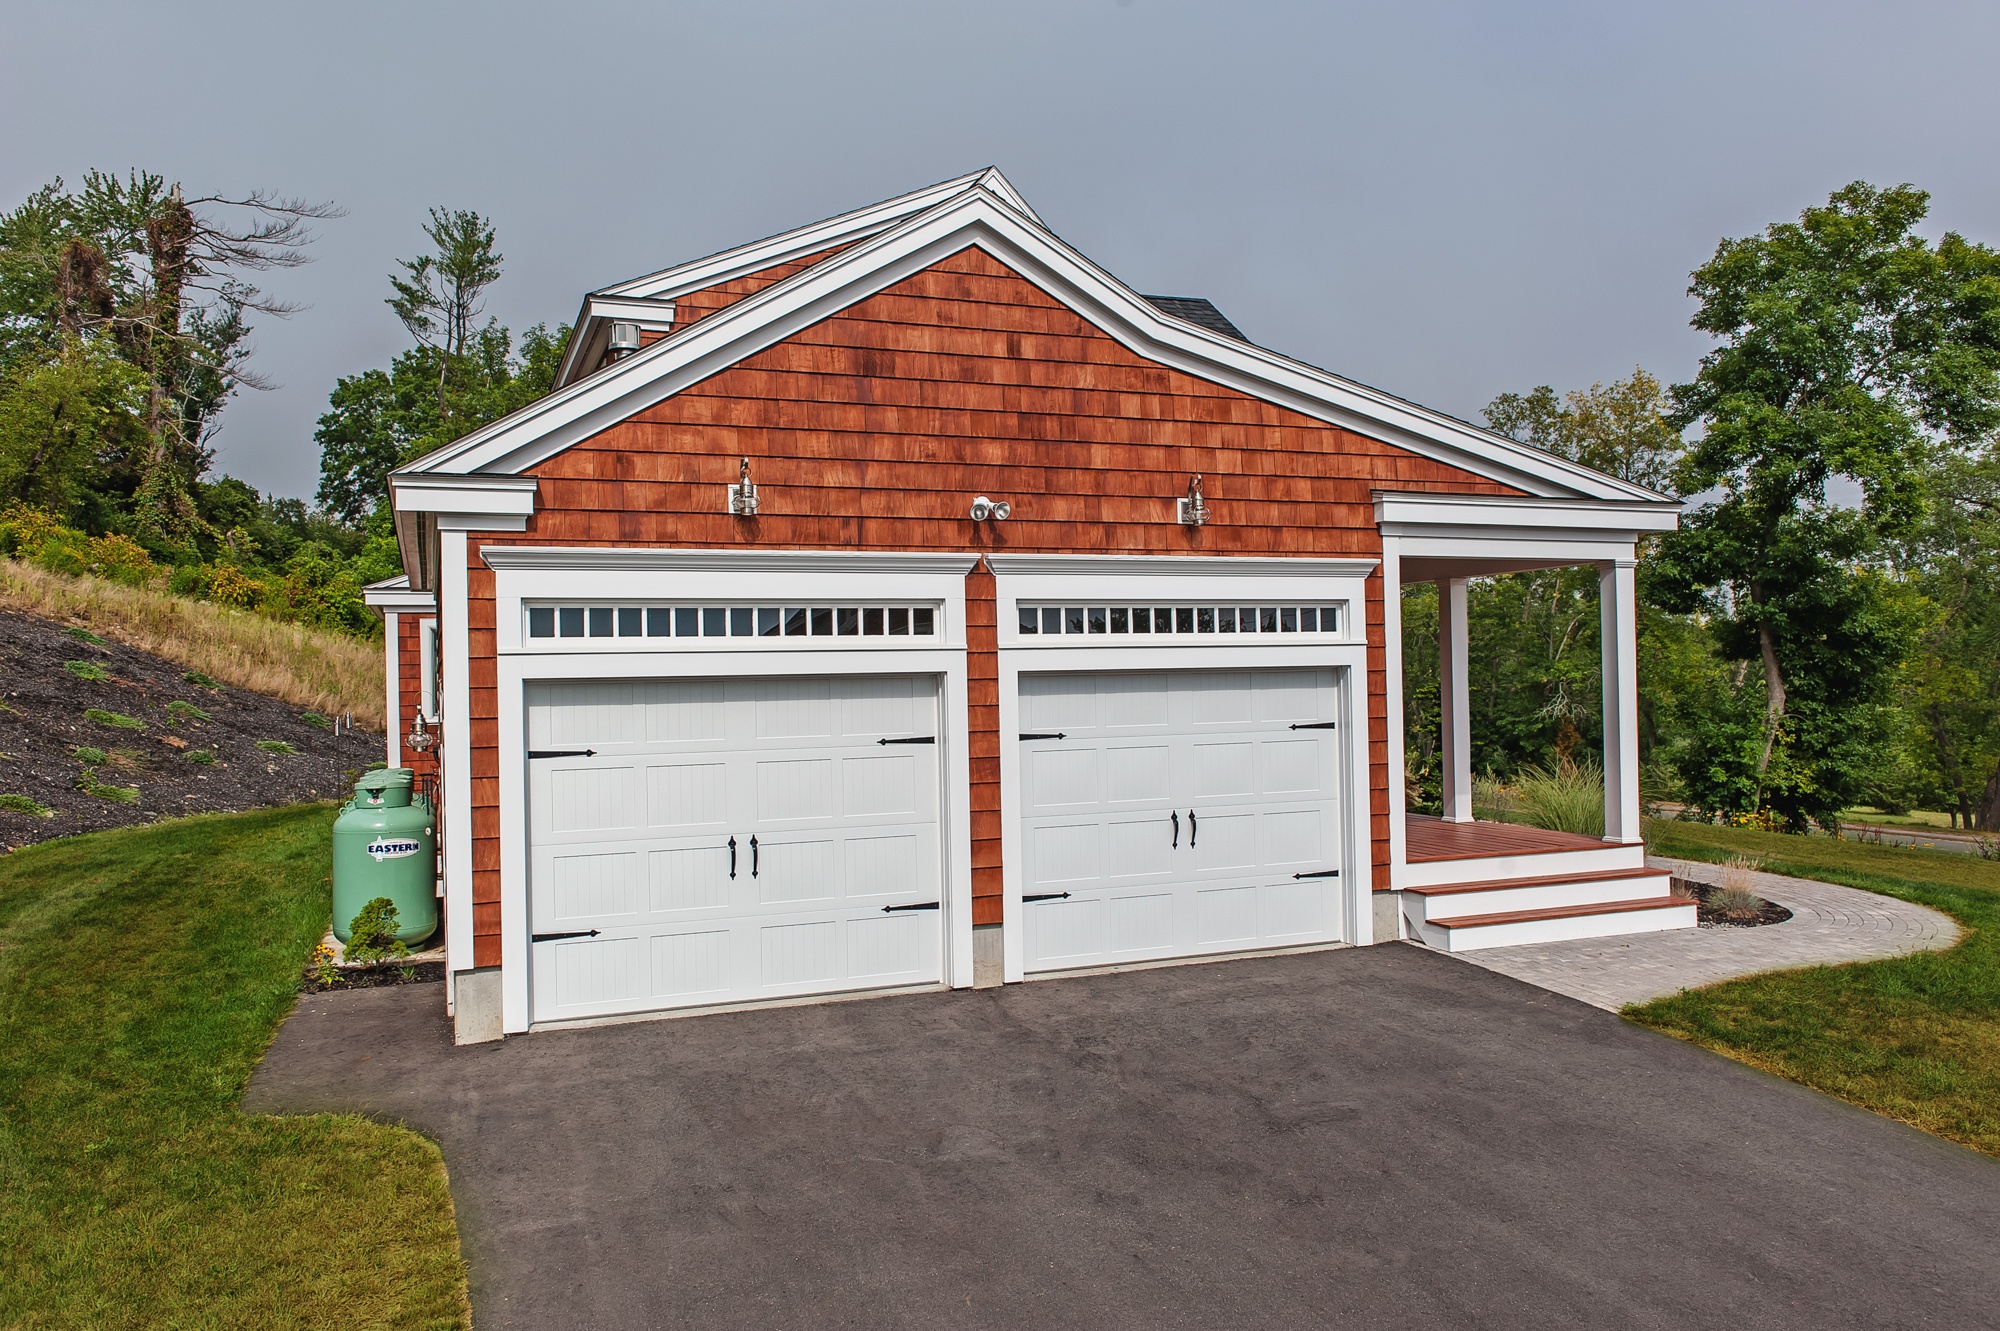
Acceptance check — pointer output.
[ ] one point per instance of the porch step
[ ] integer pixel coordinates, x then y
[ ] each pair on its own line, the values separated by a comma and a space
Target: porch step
1597, 919
1493, 896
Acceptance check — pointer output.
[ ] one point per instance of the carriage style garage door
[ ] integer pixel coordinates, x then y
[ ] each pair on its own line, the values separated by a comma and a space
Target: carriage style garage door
1171, 814
729, 840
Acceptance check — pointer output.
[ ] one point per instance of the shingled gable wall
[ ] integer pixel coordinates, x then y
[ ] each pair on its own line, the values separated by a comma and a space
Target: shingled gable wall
873, 430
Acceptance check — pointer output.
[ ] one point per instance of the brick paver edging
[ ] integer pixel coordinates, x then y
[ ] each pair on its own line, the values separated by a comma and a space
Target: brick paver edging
1830, 924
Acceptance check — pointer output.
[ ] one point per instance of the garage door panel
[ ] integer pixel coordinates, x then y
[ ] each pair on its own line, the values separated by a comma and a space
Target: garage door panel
881, 784
635, 844
804, 953
884, 866
685, 795
688, 878
685, 711
585, 886
1256, 801
795, 788
593, 713
586, 799
801, 870
686, 964
1137, 772
1221, 771
1060, 777
793, 708
1289, 766
1140, 923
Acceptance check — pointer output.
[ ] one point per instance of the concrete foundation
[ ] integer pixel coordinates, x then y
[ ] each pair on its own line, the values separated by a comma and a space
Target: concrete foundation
1388, 916
476, 1006
987, 963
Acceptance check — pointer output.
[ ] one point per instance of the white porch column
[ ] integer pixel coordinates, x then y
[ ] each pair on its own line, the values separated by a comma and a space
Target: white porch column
1454, 703
1392, 690
1619, 628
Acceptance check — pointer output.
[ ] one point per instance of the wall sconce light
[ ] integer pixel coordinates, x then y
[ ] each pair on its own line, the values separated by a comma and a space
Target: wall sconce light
743, 494
419, 738
1193, 510
997, 509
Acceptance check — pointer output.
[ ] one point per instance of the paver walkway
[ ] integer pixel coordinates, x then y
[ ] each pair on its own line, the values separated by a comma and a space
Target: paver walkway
1830, 924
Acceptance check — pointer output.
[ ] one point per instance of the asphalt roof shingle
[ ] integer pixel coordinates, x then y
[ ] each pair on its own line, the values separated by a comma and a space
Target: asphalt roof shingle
1197, 310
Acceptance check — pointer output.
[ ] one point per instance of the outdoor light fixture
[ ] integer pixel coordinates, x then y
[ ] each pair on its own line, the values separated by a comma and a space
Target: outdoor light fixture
1193, 510
997, 509
624, 340
419, 738
743, 494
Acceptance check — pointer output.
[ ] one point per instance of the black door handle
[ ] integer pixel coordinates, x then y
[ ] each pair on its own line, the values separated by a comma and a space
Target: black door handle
1193, 829
753, 854
732, 859
1176, 816
921, 905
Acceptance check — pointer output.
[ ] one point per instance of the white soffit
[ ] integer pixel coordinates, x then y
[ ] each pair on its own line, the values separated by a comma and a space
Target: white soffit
1179, 566
643, 559
980, 216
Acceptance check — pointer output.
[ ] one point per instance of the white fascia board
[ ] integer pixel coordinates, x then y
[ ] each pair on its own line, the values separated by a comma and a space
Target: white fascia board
648, 314
844, 229
496, 496
402, 602
1423, 514
1178, 566
608, 559
977, 218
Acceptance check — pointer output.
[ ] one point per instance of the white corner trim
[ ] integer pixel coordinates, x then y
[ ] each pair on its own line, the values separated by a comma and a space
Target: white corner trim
653, 560
392, 670
1178, 566
429, 492
978, 217
1418, 514
456, 757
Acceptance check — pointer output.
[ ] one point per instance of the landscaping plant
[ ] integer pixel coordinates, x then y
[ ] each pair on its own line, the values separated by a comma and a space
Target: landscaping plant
371, 934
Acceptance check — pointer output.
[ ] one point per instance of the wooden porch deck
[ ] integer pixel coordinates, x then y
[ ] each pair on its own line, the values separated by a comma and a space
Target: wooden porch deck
1428, 838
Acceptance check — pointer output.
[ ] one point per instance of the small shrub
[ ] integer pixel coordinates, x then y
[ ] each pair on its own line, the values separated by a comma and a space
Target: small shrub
201, 756
200, 681
1492, 795
87, 670
118, 719
22, 804
90, 757
1736, 893
275, 746
371, 934
315, 719
1568, 799
85, 635
185, 711
90, 785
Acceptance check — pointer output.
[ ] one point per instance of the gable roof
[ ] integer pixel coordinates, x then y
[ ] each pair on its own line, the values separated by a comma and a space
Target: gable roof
892, 241
1196, 310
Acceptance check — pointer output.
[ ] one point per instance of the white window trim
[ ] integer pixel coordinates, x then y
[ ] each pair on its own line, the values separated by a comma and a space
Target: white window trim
525, 575
1137, 580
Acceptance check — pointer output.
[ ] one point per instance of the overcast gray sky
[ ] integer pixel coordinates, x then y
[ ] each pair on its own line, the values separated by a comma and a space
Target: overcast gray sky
1443, 200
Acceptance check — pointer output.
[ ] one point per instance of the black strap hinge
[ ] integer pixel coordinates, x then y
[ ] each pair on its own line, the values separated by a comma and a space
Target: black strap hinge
574, 933
1316, 725
1057, 735
921, 905
1319, 873
562, 753
1046, 896
915, 739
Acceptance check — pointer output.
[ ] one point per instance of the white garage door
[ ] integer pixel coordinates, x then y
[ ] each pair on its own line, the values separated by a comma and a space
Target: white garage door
728, 840
1172, 814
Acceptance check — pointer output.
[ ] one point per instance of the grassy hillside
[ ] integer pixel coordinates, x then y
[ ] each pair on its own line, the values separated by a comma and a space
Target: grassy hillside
315, 669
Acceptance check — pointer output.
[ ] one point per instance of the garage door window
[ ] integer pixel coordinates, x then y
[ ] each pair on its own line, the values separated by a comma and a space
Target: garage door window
732, 621
1121, 620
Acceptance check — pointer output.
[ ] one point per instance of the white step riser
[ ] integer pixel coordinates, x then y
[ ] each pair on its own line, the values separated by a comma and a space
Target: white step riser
1546, 896
1551, 931
1439, 873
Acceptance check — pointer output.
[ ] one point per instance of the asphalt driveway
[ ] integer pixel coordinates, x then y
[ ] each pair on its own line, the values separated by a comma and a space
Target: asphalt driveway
1379, 1138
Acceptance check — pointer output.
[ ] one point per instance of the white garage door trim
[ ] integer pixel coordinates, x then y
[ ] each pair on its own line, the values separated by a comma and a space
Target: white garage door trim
527, 574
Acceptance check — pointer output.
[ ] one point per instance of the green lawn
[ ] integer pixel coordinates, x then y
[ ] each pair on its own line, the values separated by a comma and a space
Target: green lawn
142, 972
1916, 1038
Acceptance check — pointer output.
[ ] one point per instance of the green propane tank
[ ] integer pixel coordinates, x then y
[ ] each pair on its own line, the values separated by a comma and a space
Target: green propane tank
385, 845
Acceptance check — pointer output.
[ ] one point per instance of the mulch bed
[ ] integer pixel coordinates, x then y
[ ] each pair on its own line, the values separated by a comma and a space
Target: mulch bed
42, 725
376, 977
1766, 912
